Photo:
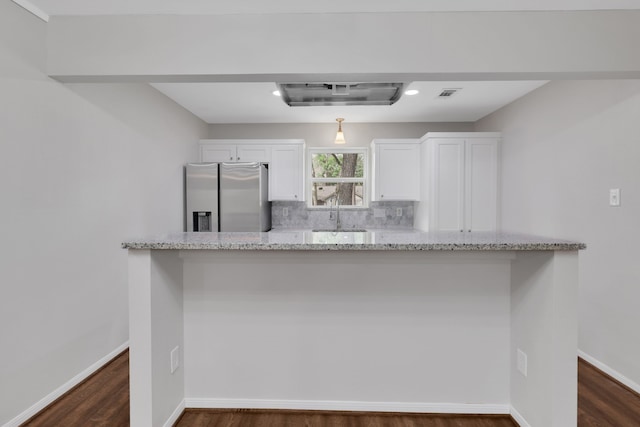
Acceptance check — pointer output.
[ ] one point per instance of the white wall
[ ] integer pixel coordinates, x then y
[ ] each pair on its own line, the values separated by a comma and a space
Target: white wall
362, 331
324, 134
564, 146
286, 47
82, 167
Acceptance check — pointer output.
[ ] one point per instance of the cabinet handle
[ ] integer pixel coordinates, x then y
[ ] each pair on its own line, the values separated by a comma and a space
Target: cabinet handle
382, 196
238, 158
295, 196
461, 231
230, 158
469, 231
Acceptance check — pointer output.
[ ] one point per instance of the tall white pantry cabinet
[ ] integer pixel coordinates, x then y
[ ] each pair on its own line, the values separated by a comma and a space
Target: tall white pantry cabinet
460, 181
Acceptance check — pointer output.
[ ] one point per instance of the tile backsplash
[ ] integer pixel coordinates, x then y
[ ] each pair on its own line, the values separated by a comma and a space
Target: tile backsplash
296, 215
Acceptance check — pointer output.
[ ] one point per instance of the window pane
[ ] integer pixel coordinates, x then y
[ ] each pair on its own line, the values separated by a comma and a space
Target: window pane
329, 193
334, 165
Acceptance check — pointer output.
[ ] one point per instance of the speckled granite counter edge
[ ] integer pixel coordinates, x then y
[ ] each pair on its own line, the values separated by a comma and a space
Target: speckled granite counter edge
541, 246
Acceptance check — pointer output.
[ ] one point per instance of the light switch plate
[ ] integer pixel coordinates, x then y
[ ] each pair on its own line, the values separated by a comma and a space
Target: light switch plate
175, 359
522, 362
614, 197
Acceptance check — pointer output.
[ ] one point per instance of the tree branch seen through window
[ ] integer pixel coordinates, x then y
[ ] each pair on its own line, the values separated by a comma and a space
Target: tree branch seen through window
337, 177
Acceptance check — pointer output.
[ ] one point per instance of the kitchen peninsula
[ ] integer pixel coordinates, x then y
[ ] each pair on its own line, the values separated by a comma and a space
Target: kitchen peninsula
379, 321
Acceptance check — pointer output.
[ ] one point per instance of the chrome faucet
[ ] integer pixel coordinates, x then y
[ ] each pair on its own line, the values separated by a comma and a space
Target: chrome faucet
337, 215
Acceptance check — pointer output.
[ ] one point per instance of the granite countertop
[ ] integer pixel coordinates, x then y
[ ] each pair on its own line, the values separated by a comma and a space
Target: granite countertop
386, 240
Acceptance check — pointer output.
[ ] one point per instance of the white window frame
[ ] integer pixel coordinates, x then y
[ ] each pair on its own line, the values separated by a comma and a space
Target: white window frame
365, 176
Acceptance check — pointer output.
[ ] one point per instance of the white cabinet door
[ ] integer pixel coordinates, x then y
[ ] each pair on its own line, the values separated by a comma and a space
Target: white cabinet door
464, 184
229, 150
396, 170
447, 195
481, 196
253, 153
218, 153
235, 153
286, 180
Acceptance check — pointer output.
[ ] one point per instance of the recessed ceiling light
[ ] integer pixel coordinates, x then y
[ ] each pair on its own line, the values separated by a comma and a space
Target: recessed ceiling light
411, 92
276, 93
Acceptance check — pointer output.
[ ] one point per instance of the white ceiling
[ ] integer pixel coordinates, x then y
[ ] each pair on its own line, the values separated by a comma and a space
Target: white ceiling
254, 103
218, 7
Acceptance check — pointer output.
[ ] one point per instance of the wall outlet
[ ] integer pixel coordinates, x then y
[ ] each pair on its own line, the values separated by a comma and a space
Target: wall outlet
522, 362
614, 197
285, 211
175, 359
398, 211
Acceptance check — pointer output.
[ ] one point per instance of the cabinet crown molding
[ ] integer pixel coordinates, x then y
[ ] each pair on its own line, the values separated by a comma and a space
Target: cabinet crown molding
461, 135
252, 141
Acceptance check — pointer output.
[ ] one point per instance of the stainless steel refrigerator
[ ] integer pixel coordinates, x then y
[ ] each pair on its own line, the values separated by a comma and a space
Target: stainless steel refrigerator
227, 197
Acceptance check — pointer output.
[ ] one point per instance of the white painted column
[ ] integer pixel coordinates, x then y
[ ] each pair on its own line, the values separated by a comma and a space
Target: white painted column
140, 337
544, 292
155, 328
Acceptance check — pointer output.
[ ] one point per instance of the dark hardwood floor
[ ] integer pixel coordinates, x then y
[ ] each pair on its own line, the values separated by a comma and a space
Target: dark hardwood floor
603, 401
100, 400
103, 400
281, 418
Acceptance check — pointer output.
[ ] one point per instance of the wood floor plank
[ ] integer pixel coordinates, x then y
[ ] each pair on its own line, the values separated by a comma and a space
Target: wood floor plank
109, 387
603, 401
103, 401
286, 418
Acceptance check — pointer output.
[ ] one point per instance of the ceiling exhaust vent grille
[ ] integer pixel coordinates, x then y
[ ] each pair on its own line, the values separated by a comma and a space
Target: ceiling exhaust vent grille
340, 94
448, 93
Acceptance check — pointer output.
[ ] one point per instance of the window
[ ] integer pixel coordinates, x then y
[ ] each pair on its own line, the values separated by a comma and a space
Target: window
337, 176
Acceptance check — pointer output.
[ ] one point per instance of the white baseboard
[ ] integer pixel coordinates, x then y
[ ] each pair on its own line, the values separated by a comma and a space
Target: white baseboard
610, 371
175, 415
48, 399
341, 405
519, 418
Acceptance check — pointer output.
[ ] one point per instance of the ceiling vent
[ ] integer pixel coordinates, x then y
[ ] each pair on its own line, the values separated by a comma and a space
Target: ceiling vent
340, 94
448, 93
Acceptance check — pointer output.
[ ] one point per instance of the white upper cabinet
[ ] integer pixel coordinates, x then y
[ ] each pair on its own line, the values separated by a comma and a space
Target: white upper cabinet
284, 156
210, 152
218, 150
447, 184
463, 181
396, 169
286, 172
481, 184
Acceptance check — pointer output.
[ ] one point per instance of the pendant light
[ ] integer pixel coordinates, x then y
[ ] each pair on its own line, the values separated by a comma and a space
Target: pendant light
340, 134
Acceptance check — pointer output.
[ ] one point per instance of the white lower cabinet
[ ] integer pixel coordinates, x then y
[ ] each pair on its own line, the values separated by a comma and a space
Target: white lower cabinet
463, 181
